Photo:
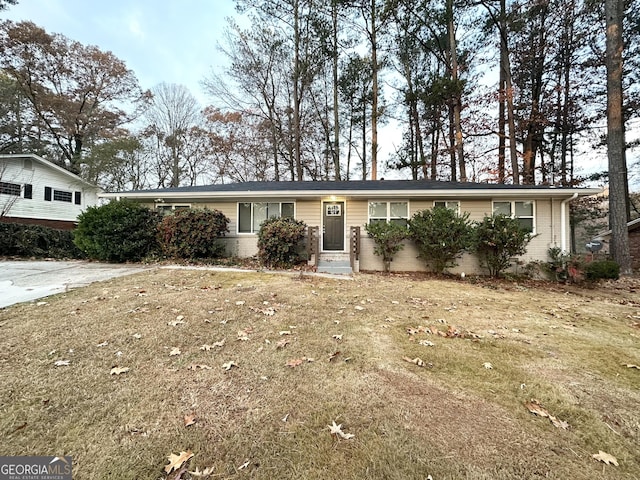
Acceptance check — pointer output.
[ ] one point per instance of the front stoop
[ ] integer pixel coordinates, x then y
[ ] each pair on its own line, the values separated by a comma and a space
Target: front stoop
334, 263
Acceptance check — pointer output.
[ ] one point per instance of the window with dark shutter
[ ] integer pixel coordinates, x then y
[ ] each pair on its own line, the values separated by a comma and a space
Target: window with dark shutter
47, 194
28, 190
78, 198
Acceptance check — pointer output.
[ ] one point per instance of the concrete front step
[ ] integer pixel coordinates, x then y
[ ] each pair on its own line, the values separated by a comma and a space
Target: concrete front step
335, 266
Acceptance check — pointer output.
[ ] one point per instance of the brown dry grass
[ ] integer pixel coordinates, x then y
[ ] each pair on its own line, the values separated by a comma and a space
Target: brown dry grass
451, 419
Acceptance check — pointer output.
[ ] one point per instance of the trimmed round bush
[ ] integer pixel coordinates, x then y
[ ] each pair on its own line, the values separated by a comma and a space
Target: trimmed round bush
602, 270
496, 240
119, 231
441, 236
191, 234
388, 238
279, 241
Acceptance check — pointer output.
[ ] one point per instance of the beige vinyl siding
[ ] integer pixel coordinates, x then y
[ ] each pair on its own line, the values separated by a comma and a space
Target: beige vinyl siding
309, 212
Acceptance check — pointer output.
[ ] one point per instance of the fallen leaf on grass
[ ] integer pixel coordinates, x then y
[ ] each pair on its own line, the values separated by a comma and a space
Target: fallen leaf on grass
62, 363
337, 337
240, 303
294, 362
119, 370
204, 473
282, 343
174, 351
605, 458
190, 420
175, 323
334, 355
229, 365
337, 430
426, 343
176, 461
207, 347
284, 332
137, 336
487, 365
103, 344
534, 407
244, 465
199, 366
629, 365
417, 361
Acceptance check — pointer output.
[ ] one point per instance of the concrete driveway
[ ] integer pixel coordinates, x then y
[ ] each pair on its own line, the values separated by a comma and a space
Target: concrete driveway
23, 281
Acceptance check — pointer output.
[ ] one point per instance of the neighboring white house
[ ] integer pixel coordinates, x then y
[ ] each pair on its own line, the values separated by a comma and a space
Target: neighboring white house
36, 191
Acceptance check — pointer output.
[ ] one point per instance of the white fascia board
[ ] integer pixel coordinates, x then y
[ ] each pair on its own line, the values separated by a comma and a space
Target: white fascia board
452, 193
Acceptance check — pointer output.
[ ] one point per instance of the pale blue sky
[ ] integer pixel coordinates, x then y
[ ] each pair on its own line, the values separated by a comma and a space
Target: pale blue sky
173, 41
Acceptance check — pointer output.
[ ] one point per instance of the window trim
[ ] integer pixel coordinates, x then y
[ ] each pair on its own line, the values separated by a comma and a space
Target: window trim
389, 217
252, 203
533, 216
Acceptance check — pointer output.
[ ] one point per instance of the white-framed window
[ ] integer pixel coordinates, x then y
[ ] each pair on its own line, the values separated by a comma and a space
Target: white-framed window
450, 204
169, 208
392, 212
252, 214
523, 210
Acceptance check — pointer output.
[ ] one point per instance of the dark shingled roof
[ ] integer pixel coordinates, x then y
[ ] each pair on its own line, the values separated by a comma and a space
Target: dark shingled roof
358, 185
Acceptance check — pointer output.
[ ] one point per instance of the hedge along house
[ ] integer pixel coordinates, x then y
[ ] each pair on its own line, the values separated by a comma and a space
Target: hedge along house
336, 213
35, 191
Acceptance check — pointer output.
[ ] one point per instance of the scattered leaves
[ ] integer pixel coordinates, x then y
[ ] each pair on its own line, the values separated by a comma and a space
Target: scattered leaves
337, 337
204, 473
282, 343
190, 419
119, 370
199, 366
417, 361
103, 344
229, 365
284, 332
137, 336
62, 363
426, 343
334, 355
629, 365
534, 407
487, 365
337, 431
359, 308
207, 347
176, 461
605, 458
174, 351
175, 323
244, 465
240, 303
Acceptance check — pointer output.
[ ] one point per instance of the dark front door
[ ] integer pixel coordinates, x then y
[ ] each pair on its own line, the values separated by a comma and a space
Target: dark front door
333, 226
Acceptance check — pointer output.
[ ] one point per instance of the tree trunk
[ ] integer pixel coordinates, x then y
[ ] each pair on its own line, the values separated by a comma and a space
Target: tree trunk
296, 91
336, 106
614, 11
374, 91
456, 100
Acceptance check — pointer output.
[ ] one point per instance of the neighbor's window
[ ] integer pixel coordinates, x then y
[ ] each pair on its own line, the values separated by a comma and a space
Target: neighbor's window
251, 215
10, 189
392, 212
450, 204
62, 196
524, 211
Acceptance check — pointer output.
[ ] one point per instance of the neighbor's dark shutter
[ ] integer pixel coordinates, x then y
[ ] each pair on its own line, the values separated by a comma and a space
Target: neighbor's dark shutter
47, 194
28, 190
78, 198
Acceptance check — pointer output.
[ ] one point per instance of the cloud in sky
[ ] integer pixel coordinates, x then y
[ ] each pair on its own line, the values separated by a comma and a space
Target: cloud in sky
172, 41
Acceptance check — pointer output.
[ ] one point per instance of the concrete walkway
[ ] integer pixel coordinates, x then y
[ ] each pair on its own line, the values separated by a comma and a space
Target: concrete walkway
23, 281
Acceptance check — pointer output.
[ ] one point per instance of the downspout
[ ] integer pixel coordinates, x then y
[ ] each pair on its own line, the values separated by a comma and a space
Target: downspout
563, 222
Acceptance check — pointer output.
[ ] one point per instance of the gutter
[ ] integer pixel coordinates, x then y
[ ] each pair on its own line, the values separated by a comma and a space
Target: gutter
369, 194
563, 222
